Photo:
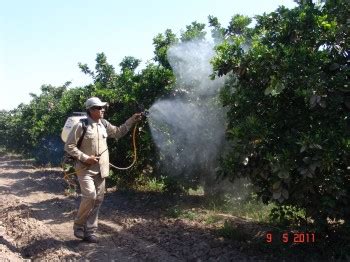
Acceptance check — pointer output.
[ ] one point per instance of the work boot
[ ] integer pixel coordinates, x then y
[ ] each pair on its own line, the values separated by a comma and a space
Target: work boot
91, 239
79, 233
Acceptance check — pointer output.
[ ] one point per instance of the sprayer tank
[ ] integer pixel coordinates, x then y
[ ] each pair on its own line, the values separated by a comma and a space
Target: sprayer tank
70, 122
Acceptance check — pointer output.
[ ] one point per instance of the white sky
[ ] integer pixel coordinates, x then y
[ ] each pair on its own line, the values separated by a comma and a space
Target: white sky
41, 42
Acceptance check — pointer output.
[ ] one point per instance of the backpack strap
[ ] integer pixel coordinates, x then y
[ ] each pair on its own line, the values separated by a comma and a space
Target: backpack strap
84, 121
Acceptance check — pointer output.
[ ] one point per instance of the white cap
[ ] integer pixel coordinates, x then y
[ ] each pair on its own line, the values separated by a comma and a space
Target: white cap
94, 101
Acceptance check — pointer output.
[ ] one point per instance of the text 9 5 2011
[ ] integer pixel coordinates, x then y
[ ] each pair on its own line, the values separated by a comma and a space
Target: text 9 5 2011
290, 237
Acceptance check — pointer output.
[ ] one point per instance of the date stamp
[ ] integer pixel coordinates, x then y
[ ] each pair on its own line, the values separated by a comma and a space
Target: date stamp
291, 237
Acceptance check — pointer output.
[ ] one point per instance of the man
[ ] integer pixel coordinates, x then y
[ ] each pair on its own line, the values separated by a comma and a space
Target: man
92, 165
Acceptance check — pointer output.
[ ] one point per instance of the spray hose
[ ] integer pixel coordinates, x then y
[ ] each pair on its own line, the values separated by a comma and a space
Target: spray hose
135, 152
72, 184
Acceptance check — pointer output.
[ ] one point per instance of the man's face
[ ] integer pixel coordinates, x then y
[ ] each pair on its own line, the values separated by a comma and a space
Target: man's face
97, 112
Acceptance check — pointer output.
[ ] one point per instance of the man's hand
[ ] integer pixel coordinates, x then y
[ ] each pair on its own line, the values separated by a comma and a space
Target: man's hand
92, 160
136, 117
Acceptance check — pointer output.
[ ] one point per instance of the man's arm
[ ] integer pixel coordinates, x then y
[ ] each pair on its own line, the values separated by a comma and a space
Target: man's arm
118, 132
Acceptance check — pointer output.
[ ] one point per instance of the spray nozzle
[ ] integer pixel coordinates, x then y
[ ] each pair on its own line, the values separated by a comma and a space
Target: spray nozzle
141, 108
145, 113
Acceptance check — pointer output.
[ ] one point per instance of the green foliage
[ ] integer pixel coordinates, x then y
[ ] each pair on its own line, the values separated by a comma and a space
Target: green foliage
174, 212
287, 215
217, 32
105, 73
248, 207
212, 219
179, 212
162, 43
129, 63
231, 231
239, 25
174, 185
34, 129
193, 31
150, 184
287, 107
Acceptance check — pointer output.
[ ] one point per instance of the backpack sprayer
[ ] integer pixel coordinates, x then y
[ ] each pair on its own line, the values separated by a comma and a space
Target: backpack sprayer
68, 160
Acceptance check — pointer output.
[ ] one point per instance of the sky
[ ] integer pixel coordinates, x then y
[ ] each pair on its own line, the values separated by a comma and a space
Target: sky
42, 42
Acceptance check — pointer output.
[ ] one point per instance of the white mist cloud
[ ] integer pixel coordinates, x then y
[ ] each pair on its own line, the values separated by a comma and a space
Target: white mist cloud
191, 64
186, 134
189, 130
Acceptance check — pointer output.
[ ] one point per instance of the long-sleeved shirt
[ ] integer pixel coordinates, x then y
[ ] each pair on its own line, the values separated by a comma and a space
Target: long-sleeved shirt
94, 143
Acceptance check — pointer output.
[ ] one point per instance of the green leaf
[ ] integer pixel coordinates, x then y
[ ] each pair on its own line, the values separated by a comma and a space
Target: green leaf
268, 90
277, 194
275, 87
306, 160
313, 100
303, 171
283, 174
316, 146
285, 193
276, 185
334, 66
302, 149
309, 174
322, 103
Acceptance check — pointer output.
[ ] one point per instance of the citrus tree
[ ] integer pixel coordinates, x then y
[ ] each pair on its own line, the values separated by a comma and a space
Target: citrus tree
288, 106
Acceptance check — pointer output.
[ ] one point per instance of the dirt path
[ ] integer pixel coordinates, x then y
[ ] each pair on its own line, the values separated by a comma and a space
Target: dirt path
36, 223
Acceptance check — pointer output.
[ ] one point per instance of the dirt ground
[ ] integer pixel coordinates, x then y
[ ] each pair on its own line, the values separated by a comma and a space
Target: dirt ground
36, 224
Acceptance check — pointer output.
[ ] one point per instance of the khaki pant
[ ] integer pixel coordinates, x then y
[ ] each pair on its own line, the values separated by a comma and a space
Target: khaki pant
92, 191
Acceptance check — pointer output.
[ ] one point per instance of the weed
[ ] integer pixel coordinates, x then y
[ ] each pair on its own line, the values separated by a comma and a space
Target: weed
212, 219
250, 207
155, 185
198, 192
145, 183
228, 230
177, 212
287, 215
188, 214
174, 212
2, 150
